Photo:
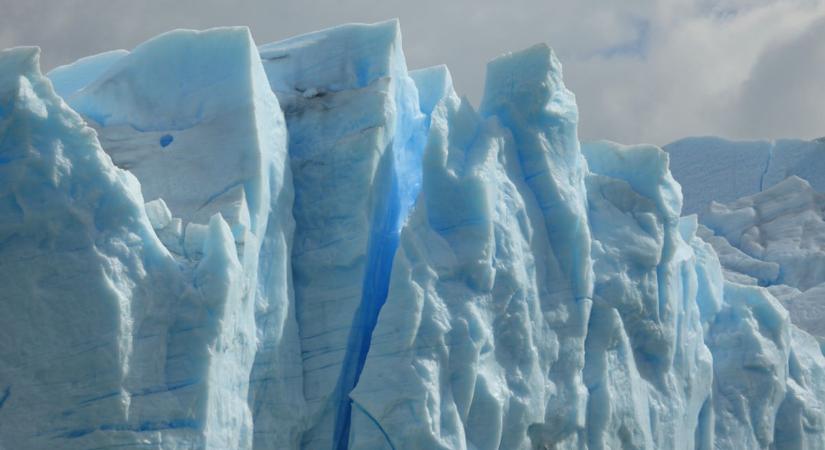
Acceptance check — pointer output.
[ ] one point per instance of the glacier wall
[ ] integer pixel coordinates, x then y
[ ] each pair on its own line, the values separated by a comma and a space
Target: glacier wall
742, 168
209, 245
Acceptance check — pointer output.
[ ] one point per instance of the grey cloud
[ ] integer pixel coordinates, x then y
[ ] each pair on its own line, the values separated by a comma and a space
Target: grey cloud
786, 94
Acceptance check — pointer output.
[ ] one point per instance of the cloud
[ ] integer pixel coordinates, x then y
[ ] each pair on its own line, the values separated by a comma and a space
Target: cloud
643, 70
705, 72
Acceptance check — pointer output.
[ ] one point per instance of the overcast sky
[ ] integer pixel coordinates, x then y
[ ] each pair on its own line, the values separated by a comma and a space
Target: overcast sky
642, 71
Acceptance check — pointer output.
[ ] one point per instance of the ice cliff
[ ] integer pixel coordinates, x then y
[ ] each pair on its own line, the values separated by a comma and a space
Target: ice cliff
206, 244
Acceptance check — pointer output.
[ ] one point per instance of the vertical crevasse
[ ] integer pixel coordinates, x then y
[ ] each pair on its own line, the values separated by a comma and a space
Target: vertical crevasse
402, 182
768, 161
356, 137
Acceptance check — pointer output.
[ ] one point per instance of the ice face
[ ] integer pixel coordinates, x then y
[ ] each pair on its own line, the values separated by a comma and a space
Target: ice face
170, 136
304, 245
153, 349
80, 252
647, 313
750, 340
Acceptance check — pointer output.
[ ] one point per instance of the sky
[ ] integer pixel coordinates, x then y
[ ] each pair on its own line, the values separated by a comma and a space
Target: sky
642, 71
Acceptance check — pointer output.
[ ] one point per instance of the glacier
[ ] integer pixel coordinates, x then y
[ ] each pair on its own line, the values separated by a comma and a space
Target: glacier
209, 244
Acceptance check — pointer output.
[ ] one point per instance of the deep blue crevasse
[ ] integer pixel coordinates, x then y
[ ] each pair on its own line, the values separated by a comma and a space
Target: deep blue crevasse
382, 246
5, 395
403, 182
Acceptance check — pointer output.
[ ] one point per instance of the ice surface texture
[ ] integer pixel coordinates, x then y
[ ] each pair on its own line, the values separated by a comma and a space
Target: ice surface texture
209, 245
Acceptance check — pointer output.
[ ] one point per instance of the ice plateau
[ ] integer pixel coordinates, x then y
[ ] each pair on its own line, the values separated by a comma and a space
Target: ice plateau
205, 244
